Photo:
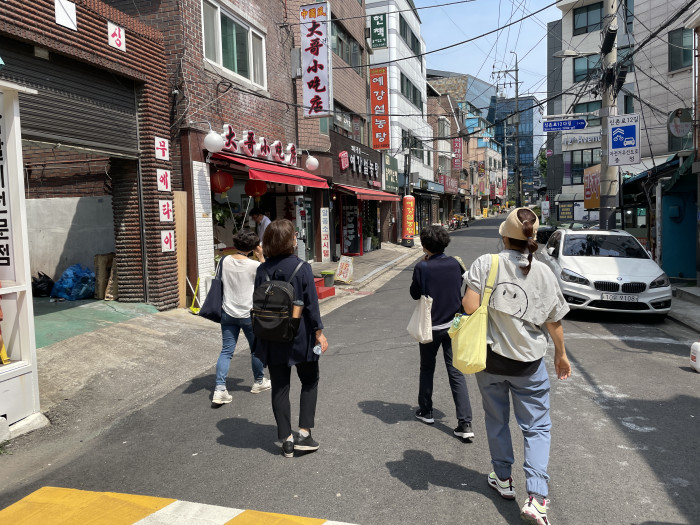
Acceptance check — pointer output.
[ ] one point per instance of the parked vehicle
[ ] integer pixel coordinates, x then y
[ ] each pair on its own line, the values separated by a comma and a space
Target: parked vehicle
607, 271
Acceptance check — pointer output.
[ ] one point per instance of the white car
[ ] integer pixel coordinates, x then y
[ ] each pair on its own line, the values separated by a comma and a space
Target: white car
607, 271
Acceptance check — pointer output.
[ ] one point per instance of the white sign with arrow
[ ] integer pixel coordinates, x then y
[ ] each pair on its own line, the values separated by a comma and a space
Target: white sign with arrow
623, 140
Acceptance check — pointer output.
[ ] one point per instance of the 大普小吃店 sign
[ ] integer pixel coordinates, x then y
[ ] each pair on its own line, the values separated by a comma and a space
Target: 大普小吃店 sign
316, 78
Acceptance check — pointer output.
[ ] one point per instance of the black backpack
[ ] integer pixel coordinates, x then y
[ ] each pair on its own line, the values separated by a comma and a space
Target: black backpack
272, 310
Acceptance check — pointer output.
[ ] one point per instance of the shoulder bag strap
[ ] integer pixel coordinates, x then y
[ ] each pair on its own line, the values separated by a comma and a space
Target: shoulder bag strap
301, 263
491, 279
219, 268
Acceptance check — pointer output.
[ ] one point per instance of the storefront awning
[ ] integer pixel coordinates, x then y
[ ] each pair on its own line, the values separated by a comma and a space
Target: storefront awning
271, 172
568, 197
366, 194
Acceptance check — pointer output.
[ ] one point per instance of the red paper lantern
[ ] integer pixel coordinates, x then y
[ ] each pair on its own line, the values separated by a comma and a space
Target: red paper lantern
255, 188
221, 181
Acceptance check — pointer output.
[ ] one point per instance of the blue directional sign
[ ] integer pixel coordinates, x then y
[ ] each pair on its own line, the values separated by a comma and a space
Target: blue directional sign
564, 125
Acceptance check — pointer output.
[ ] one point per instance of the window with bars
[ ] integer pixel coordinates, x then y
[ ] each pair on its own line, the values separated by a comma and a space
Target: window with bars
680, 49
232, 44
588, 18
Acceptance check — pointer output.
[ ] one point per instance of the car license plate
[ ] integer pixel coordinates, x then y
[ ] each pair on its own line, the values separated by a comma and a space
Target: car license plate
619, 297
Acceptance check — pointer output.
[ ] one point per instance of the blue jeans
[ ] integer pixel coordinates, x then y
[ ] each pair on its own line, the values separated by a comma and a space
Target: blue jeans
531, 408
230, 329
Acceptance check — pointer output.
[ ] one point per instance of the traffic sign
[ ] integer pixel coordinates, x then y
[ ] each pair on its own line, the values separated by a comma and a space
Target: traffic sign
623, 140
564, 125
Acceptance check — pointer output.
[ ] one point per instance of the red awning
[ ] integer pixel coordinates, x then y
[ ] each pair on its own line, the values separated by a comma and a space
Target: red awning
271, 172
366, 194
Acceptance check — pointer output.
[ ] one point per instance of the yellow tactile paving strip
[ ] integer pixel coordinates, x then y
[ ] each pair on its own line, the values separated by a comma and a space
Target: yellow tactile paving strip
63, 506
52, 505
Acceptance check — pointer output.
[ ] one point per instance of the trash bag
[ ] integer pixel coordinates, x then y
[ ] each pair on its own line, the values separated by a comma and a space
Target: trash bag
77, 282
42, 285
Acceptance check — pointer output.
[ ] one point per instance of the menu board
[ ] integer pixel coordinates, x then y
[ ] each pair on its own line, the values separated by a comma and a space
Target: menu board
350, 226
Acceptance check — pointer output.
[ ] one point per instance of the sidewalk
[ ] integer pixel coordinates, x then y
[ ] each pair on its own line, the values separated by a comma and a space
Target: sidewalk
685, 307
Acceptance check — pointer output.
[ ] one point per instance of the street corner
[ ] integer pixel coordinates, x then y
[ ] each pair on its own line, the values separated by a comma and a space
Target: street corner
65, 505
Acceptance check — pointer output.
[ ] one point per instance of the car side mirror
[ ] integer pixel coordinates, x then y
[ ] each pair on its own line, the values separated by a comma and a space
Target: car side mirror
550, 251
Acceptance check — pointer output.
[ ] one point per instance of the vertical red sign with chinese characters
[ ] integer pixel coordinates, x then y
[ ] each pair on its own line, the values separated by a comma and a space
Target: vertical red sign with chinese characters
316, 78
457, 151
379, 105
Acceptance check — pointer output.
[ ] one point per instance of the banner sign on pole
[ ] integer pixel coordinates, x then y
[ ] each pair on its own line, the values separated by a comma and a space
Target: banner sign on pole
316, 77
591, 188
623, 140
379, 104
7, 256
325, 235
457, 150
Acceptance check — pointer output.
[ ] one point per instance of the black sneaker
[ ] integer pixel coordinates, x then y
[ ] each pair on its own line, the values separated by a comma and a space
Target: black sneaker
464, 430
425, 417
305, 443
288, 449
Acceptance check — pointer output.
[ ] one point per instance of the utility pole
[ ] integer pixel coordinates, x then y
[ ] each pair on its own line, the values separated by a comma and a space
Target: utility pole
609, 185
515, 119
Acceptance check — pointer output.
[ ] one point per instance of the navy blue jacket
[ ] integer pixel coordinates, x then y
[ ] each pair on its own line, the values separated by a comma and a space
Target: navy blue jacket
444, 285
301, 349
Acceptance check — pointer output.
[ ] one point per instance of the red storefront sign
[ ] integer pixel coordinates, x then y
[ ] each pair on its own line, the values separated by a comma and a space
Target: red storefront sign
451, 185
379, 105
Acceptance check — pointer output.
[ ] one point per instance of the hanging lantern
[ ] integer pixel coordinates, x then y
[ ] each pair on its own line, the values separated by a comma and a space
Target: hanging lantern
221, 182
256, 188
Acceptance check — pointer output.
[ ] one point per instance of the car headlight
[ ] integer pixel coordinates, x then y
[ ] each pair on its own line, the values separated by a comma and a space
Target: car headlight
572, 277
660, 282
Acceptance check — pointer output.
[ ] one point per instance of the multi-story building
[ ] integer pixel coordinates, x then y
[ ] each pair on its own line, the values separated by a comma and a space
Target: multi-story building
410, 133
502, 112
484, 155
658, 83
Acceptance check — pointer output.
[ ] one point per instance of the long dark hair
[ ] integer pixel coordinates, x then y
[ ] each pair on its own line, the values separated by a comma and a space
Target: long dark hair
528, 218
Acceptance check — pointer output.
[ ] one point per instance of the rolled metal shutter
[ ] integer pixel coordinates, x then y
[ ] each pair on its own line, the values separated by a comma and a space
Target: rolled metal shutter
77, 104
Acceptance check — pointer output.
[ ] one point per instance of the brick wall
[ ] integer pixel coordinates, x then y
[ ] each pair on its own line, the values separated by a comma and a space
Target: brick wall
34, 23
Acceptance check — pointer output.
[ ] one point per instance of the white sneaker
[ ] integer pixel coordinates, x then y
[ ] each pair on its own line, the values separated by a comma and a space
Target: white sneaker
261, 386
221, 397
535, 512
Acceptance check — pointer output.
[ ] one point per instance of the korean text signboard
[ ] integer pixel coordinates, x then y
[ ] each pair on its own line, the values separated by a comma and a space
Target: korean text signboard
457, 150
623, 140
391, 174
379, 104
591, 188
325, 235
450, 184
350, 227
116, 36
566, 211
7, 258
316, 77
378, 33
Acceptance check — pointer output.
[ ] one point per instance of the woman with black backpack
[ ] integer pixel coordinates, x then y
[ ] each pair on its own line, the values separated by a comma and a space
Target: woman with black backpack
279, 243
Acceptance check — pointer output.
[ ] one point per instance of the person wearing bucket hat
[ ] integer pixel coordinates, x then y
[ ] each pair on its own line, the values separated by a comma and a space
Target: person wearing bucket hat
525, 309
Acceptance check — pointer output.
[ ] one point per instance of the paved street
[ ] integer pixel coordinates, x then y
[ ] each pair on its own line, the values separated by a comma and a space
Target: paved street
625, 435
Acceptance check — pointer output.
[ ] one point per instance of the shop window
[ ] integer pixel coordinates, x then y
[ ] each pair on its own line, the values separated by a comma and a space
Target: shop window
232, 44
588, 18
680, 49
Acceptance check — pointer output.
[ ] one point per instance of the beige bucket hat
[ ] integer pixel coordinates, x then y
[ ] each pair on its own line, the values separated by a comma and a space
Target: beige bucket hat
513, 228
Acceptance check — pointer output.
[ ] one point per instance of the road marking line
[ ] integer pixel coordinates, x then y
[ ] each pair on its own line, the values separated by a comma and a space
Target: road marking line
255, 517
187, 513
631, 338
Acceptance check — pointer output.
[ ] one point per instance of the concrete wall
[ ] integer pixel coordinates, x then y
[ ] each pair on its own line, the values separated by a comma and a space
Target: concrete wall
67, 231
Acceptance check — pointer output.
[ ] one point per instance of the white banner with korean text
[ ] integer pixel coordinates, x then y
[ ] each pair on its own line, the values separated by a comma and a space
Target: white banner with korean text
7, 258
316, 76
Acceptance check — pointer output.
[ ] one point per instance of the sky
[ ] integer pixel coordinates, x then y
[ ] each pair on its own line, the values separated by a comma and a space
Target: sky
443, 26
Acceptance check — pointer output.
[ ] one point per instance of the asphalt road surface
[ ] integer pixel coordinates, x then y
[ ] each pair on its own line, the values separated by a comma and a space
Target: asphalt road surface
625, 433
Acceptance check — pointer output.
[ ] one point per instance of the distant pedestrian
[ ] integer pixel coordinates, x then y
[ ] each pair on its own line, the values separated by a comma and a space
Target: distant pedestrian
280, 243
237, 275
442, 277
262, 221
526, 304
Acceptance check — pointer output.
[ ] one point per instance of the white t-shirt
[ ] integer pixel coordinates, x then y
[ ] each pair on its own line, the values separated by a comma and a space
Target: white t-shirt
238, 277
519, 305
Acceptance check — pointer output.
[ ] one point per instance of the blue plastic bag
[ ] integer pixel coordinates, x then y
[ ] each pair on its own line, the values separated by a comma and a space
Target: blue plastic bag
77, 282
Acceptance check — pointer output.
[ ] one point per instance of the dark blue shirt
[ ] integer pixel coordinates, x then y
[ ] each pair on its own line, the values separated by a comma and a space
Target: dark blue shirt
301, 349
443, 278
